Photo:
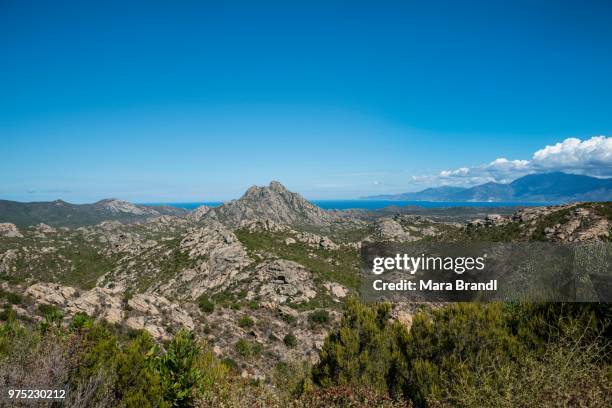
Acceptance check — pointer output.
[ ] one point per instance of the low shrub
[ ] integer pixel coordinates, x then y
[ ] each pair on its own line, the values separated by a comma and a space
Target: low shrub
246, 322
471, 354
290, 340
11, 297
206, 305
320, 316
243, 348
348, 396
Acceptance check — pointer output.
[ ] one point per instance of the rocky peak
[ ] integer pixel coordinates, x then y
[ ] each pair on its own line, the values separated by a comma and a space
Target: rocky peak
274, 203
274, 188
198, 213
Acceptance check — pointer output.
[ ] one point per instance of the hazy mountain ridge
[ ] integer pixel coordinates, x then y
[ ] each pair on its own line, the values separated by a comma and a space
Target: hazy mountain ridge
546, 187
60, 213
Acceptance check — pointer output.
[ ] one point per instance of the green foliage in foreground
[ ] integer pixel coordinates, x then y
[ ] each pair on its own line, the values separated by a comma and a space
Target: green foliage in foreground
101, 368
455, 354
459, 355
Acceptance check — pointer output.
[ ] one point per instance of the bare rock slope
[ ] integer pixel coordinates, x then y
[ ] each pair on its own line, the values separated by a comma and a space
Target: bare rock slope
273, 202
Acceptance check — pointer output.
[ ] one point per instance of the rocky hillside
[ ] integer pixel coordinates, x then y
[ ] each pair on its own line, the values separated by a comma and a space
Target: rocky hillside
273, 202
59, 213
260, 290
563, 223
262, 279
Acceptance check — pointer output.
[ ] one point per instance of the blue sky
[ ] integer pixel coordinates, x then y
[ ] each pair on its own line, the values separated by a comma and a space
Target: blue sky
196, 101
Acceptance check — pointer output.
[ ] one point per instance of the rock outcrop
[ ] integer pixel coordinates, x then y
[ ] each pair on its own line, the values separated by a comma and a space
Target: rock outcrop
562, 223
43, 229
98, 302
198, 213
9, 230
282, 281
387, 229
274, 203
221, 259
149, 312
115, 206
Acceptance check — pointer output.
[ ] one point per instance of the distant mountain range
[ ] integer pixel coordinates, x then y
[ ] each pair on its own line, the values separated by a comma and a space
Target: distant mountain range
546, 187
59, 213
273, 202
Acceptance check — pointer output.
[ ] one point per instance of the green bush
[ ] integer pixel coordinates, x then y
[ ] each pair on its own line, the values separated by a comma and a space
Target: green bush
566, 372
53, 316
178, 371
138, 379
288, 318
253, 305
246, 322
359, 352
466, 355
320, 316
290, 340
347, 396
206, 305
11, 297
230, 363
81, 321
469, 345
7, 314
103, 368
292, 379
243, 348
45, 309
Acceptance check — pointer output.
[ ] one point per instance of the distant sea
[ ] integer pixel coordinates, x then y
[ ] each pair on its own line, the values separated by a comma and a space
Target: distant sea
375, 204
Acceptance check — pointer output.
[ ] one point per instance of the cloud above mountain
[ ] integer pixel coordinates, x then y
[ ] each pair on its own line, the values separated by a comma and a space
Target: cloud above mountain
591, 157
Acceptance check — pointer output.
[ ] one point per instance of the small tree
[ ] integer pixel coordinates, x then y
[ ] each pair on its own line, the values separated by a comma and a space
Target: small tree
178, 369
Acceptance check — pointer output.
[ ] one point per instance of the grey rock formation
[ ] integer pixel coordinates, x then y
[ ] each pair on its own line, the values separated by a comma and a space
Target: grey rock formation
222, 258
149, 312
316, 241
197, 214
43, 228
7, 261
575, 222
274, 203
387, 229
284, 281
115, 206
9, 230
264, 225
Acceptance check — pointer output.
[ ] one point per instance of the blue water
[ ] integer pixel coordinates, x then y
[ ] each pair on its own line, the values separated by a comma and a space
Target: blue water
375, 204
189, 206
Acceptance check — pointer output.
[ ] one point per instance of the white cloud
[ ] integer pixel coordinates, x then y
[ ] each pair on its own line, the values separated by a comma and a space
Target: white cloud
590, 157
